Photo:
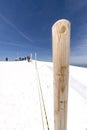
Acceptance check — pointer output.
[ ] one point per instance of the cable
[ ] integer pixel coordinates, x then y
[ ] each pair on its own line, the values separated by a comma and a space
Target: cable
40, 93
41, 108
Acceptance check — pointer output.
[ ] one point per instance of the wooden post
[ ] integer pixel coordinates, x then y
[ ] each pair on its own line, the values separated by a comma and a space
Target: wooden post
61, 53
35, 56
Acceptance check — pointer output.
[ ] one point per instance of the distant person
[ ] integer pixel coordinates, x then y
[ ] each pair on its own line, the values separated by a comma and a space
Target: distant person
25, 58
28, 58
19, 58
6, 59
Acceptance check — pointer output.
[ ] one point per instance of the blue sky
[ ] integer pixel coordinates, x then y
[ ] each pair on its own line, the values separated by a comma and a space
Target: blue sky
25, 27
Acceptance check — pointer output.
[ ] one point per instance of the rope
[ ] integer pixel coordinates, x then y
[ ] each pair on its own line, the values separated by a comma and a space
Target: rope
40, 105
41, 93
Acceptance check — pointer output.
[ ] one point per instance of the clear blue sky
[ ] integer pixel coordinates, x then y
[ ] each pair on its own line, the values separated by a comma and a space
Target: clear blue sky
25, 27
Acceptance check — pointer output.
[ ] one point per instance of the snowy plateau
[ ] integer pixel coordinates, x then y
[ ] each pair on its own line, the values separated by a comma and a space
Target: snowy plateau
20, 107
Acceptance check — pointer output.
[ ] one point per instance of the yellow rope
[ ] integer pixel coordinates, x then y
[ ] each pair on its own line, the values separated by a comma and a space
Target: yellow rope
41, 93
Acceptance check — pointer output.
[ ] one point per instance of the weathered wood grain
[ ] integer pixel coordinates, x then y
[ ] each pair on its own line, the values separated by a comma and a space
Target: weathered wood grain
61, 54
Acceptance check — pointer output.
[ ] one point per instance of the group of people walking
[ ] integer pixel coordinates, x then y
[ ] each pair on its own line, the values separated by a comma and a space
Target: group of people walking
28, 58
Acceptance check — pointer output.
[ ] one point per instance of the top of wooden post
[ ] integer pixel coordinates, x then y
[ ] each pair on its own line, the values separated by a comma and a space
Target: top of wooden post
62, 25
61, 21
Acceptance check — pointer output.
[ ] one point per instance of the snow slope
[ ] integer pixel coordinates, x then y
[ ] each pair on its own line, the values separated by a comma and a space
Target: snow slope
19, 96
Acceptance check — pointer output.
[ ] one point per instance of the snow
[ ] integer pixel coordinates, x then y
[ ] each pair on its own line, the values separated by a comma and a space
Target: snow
19, 97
